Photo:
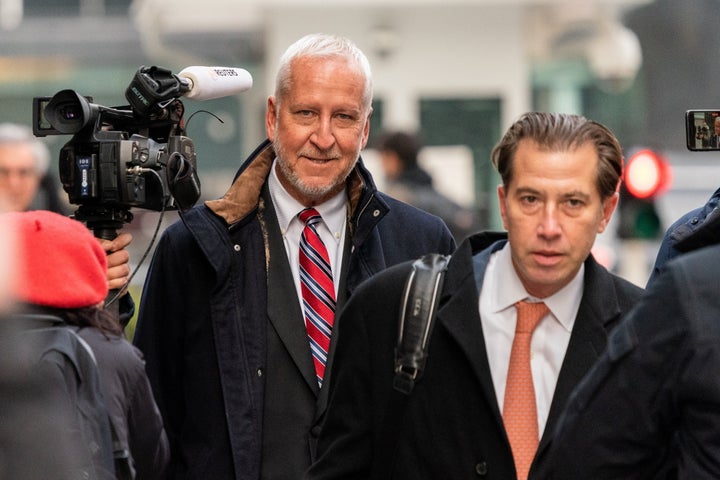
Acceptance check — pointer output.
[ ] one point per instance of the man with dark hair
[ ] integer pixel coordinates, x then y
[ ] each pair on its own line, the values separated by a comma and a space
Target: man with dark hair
521, 317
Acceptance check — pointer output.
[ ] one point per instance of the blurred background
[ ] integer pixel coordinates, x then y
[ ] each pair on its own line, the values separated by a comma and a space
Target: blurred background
456, 72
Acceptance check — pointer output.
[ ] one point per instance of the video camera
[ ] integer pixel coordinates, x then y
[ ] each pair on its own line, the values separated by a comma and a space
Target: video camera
123, 157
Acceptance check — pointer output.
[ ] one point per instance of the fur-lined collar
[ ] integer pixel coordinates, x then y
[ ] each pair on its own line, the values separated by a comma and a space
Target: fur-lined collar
244, 194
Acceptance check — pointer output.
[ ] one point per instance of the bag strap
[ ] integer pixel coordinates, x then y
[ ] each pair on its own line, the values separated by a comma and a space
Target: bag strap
417, 317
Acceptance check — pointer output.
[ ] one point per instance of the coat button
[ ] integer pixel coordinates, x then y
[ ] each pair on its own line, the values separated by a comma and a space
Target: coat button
481, 469
236, 247
376, 213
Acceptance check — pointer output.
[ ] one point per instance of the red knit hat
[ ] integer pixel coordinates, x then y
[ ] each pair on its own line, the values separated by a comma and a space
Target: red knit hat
59, 263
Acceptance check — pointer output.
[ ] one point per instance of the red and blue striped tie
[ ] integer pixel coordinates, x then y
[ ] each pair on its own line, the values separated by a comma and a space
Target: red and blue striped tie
318, 291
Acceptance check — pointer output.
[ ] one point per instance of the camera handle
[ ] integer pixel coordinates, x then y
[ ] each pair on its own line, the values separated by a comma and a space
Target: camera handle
105, 222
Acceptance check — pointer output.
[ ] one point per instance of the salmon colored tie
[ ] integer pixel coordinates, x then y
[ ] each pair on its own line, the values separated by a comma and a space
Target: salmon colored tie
519, 409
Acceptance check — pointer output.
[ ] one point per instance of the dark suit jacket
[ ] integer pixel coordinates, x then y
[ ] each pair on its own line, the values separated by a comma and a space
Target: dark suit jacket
221, 329
713, 141
452, 427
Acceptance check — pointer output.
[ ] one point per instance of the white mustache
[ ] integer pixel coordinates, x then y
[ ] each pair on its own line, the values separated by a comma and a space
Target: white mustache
332, 155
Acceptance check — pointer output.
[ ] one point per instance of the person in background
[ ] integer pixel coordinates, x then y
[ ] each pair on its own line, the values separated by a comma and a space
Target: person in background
25, 179
487, 403
409, 182
714, 141
61, 272
702, 136
238, 307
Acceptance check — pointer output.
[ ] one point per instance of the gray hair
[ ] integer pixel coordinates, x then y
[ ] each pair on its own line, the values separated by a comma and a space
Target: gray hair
16, 133
320, 45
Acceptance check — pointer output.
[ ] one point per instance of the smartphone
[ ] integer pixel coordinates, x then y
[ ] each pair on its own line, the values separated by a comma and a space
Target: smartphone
702, 129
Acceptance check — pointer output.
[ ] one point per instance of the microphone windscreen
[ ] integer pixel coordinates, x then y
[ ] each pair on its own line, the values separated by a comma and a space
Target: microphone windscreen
216, 82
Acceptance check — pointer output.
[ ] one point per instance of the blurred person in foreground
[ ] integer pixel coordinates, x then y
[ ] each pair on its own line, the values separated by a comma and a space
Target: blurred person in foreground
409, 182
650, 407
485, 406
229, 309
31, 419
62, 274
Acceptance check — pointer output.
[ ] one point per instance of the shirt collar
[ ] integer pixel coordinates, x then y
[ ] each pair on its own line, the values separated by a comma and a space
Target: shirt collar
563, 304
332, 211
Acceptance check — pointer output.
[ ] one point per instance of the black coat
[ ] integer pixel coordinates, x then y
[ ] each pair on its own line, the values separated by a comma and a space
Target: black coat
650, 408
130, 403
452, 426
222, 333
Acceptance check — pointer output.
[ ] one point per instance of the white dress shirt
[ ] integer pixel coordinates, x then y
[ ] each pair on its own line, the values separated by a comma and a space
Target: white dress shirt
331, 228
501, 289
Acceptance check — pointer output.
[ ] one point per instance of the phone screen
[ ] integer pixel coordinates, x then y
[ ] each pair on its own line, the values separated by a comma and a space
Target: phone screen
702, 129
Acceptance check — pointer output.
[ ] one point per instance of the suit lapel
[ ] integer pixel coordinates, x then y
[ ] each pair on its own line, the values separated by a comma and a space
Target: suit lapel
598, 308
459, 314
342, 298
283, 304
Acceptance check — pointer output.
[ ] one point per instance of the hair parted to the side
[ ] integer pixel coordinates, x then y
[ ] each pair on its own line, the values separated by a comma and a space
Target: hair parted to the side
318, 45
562, 132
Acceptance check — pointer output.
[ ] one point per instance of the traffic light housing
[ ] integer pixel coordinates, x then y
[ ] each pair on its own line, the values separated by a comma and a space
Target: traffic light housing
647, 175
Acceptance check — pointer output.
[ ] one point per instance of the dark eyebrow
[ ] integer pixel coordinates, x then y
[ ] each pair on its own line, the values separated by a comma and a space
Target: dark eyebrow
526, 191
577, 194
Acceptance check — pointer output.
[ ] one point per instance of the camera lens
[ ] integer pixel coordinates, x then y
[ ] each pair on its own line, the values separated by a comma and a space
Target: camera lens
69, 112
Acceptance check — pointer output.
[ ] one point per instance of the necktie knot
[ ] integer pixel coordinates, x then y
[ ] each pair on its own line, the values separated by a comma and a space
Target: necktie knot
309, 216
529, 315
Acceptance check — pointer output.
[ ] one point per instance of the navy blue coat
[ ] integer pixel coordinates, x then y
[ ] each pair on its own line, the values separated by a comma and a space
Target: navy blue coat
219, 299
695, 229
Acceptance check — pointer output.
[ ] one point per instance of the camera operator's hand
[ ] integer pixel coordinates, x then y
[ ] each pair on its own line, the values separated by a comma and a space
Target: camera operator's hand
118, 259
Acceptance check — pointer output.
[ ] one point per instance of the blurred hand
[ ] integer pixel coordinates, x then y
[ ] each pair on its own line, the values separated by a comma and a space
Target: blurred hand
118, 258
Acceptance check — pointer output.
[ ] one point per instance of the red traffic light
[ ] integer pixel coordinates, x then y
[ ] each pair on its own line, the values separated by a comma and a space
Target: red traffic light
647, 174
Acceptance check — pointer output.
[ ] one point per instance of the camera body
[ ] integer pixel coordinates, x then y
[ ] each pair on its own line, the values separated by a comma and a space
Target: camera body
123, 157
